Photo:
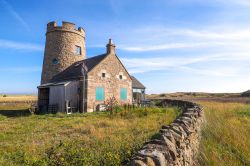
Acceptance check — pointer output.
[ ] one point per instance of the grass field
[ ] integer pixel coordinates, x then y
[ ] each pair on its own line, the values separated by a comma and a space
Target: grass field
104, 139
78, 139
226, 135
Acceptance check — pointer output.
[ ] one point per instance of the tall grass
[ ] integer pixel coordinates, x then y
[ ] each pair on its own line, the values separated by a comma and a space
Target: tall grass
79, 139
226, 135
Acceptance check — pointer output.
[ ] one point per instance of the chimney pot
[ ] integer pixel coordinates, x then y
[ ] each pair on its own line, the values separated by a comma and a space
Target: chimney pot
110, 47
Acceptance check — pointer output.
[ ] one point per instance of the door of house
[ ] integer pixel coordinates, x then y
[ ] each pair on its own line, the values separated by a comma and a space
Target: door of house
43, 100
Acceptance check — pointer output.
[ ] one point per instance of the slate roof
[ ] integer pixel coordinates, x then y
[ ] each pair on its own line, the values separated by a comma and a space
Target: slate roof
137, 84
76, 70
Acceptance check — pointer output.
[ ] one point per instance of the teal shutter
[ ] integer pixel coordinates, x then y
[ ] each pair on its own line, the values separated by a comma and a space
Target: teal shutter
123, 94
99, 94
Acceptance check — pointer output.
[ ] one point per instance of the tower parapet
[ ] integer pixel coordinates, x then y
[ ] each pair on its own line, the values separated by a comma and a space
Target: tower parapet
64, 46
66, 26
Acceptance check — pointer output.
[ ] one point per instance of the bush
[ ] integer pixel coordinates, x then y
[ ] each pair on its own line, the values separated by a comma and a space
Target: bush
4, 95
162, 95
246, 94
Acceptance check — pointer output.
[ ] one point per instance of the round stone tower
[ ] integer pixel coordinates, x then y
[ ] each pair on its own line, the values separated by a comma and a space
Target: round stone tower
64, 46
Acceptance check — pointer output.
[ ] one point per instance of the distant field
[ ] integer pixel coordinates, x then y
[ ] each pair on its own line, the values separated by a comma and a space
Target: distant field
195, 95
199, 97
17, 98
78, 139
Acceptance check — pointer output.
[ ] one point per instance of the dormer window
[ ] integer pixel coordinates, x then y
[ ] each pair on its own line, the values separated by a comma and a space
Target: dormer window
103, 75
78, 50
120, 77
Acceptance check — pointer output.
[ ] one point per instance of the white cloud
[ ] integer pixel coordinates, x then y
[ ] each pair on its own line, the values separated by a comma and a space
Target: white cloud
20, 46
153, 38
219, 71
167, 46
143, 65
14, 14
143, 48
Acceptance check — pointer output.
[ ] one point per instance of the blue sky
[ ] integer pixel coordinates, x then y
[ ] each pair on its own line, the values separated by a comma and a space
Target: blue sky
169, 45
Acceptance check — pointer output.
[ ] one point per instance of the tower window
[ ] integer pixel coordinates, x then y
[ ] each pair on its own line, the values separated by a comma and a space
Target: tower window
78, 50
55, 61
103, 75
120, 76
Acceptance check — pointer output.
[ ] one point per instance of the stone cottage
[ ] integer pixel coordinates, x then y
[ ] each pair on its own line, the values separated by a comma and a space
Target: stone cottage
71, 82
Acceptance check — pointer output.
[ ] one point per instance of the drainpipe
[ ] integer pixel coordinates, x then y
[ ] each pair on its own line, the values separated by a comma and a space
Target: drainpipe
84, 72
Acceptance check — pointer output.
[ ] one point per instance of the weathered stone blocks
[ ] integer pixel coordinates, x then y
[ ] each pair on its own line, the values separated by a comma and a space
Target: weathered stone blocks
60, 48
177, 144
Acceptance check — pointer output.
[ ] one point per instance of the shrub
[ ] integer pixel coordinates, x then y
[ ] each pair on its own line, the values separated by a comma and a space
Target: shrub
162, 95
4, 95
246, 94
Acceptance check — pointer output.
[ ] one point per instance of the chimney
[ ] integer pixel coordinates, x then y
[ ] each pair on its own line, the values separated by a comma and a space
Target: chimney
110, 47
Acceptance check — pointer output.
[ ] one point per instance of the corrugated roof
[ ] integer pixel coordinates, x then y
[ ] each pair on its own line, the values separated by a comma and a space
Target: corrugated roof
137, 84
53, 84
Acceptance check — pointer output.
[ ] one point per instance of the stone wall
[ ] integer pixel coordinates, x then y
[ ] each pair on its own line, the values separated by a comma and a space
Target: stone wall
176, 144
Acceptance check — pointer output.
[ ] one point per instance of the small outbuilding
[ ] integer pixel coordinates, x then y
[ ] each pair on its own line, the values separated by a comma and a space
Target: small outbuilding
138, 91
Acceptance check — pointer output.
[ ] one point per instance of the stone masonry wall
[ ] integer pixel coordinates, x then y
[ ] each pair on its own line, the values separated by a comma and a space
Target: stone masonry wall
112, 68
61, 42
176, 144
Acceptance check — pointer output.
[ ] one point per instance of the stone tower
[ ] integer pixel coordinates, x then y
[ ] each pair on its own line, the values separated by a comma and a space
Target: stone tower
64, 45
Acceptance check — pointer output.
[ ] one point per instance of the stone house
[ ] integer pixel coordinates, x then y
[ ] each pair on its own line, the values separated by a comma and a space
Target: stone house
73, 83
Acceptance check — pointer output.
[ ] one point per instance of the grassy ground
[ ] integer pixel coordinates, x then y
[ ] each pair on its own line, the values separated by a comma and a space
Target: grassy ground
104, 139
78, 139
226, 136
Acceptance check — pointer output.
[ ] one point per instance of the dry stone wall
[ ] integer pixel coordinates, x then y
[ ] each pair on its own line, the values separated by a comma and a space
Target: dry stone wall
176, 144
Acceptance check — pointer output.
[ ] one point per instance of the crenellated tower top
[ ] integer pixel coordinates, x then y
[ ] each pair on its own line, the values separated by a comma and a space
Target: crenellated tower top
66, 26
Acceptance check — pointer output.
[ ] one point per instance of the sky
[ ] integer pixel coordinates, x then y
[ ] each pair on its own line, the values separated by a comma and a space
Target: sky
169, 45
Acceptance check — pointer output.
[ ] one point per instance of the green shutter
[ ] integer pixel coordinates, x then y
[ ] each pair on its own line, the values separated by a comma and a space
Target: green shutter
99, 94
123, 94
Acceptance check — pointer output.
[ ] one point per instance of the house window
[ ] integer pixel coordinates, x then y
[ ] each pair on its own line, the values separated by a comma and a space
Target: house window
103, 75
55, 61
123, 94
120, 76
99, 94
78, 50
